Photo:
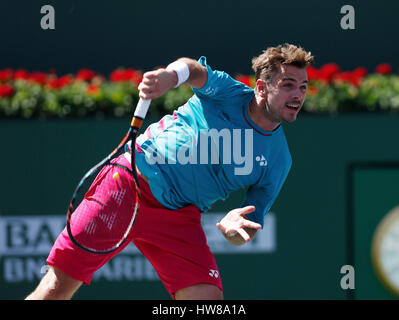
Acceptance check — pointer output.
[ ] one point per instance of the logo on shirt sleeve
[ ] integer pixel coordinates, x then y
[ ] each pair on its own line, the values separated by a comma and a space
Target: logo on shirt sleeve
262, 160
210, 91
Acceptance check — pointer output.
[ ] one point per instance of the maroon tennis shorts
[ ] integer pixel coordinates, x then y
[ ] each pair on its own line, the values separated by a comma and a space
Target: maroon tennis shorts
172, 240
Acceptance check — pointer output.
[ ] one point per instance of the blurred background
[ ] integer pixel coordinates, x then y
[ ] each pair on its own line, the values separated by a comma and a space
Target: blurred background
65, 99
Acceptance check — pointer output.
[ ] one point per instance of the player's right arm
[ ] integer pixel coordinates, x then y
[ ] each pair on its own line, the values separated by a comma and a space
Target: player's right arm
156, 83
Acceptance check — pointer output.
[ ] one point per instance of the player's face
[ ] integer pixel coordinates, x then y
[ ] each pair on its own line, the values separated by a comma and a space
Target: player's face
286, 93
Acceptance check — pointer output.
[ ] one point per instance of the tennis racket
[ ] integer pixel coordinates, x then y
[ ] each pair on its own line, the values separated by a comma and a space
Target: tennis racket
92, 224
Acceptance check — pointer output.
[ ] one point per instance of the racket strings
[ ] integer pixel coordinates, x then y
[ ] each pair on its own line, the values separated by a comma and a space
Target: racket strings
105, 213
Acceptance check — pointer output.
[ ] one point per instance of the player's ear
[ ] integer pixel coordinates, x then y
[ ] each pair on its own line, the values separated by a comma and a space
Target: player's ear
261, 88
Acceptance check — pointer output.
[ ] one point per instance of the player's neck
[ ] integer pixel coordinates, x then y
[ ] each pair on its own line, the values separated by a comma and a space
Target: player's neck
258, 114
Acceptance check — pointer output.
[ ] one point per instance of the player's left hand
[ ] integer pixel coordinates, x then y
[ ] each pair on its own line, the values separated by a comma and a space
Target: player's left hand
235, 223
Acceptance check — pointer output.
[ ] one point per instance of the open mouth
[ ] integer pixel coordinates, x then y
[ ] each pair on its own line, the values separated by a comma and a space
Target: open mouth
293, 106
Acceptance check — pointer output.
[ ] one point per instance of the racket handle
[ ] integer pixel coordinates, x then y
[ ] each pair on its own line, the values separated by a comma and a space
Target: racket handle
142, 108
140, 113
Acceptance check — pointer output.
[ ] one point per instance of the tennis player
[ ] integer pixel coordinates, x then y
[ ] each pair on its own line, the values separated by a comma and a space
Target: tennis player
180, 177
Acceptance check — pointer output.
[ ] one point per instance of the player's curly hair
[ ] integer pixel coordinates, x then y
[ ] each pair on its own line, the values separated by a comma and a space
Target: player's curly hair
266, 64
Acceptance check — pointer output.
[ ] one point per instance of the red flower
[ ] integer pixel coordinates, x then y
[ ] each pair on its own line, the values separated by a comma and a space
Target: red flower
342, 76
328, 71
6, 90
356, 80
134, 76
117, 75
85, 75
93, 89
313, 73
21, 74
5, 74
313, 90
60, 82
38, 77
245, 80
347, 76
360, 71
126, 75
383, 68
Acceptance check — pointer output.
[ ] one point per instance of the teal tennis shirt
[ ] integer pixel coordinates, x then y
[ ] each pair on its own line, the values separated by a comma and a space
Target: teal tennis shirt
210, 147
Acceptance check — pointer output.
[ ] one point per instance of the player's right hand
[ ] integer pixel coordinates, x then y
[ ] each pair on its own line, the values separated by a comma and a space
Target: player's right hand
155, 83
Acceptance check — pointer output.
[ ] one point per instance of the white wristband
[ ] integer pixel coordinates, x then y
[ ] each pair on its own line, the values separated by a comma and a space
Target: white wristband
181, 68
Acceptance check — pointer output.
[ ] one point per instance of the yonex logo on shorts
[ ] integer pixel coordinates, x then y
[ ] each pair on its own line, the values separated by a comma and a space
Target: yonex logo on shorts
214, 273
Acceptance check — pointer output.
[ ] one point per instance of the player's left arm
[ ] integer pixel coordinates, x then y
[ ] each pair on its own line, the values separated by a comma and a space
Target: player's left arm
238, 229
244, 222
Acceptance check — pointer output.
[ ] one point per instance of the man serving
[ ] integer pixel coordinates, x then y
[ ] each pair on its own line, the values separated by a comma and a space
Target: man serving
182, 172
